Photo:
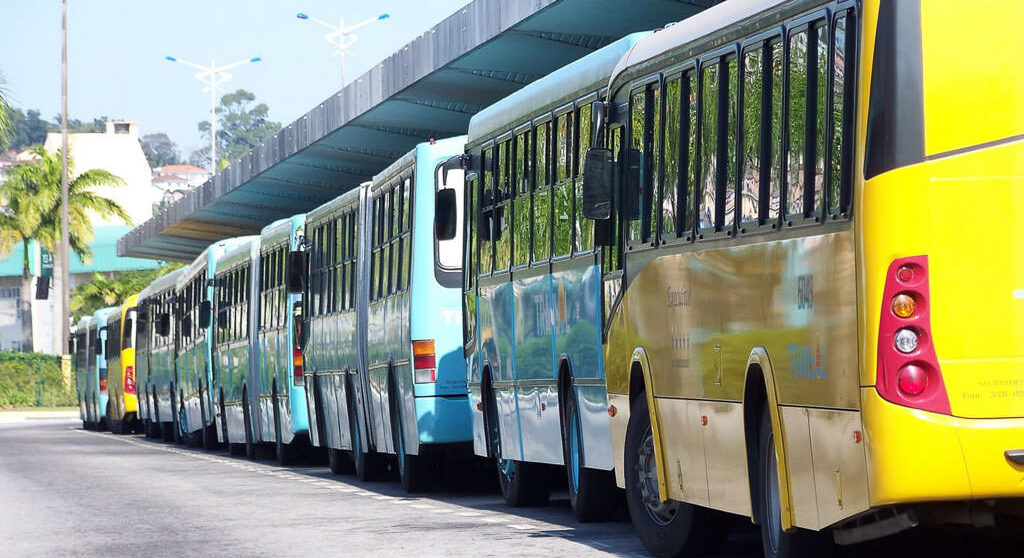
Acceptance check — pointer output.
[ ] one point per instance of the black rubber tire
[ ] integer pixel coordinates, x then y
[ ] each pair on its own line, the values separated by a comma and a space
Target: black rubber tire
286, 454
339, 462
415, 472
522, 483
367, 465
684, 529
592, 492
167, 431
782, 544
250, 444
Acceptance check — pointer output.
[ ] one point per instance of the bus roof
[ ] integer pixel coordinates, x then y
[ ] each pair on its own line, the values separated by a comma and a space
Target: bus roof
345, 200
447, 145
238, 251
161, 284
203, 261
103, 314
691, 29
281, 229
563, 85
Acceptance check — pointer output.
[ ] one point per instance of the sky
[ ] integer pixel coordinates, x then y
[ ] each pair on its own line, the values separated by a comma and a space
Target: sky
116, 50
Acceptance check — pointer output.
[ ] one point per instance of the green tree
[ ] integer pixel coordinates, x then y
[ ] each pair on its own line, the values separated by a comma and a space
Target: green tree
28, 129
103, 291
30, 201
6, 127
240, 125
159, 149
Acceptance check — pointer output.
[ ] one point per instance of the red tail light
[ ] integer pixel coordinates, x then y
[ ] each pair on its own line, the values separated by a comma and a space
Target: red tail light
424, 362
103, 384
296, 366
129, 379
908, 370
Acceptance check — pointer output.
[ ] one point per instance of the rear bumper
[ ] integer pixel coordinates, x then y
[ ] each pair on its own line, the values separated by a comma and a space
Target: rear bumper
443, 419
917, 456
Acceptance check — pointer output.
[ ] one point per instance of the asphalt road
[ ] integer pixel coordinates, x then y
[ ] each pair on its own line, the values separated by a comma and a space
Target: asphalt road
68, 492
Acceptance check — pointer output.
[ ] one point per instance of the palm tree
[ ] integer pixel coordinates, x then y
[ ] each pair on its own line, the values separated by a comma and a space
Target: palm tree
102, 291
30, 209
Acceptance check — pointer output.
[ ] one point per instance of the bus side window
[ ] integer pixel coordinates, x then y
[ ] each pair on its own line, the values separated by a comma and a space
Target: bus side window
819, 99
632, 199
542, 195
750, 185
486, 206
709, 99
521, 211
796, 73
670, 180
729, 97
502, 201
840, 150
584, 232
689, 132
562, 193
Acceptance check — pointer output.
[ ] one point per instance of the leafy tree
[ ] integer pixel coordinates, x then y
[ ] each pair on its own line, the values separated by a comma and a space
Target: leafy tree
28, 129
103, 291
159, 149
30, 202
240, 125
76, 126
200, 158
6, 126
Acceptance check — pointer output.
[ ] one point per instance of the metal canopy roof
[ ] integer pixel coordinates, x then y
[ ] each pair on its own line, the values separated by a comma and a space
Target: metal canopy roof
428, 89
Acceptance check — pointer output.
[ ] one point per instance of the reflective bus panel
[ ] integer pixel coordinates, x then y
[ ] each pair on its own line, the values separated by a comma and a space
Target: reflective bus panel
122, 401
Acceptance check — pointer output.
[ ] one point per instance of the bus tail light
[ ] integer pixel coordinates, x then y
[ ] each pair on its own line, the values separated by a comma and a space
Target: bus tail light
129, 379
296, 366
103, 384
424, 362
908, 370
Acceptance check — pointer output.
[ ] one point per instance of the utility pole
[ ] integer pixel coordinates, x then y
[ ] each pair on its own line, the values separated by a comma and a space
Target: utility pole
65, 237
341, 37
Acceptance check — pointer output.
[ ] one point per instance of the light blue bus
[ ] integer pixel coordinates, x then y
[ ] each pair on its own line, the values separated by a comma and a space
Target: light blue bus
155, 357
196, 409
233, 290
384, 368
86, 378
534, 277
278, 393
98, 366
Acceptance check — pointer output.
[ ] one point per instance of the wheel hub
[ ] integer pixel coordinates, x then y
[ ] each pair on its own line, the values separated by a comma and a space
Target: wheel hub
647, 481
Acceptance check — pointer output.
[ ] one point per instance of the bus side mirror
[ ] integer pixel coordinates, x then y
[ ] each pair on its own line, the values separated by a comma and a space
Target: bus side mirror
295, 271
204, 314
598, 171
163, 324
222, 318
100, 344
42, 288
445, 217
186, 326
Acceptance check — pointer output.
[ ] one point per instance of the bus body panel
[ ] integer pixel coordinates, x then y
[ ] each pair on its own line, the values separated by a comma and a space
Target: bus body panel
102, 393
155, 362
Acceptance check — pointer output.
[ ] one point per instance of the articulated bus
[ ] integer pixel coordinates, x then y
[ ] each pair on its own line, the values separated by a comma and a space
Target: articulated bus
233, 289
799, 212
99, 363
278, 389
532, 290
384, 367
196, 402
155, 357
86, 381
122, 403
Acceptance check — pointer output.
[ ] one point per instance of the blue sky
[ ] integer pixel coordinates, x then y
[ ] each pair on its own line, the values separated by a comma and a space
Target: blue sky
116, 50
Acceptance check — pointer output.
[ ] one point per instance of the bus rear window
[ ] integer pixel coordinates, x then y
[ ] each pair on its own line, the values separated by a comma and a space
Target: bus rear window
449, 252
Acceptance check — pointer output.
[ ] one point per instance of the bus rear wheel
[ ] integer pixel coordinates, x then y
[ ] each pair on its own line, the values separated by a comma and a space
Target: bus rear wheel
592, 492
416, 472
666, 528
775, 542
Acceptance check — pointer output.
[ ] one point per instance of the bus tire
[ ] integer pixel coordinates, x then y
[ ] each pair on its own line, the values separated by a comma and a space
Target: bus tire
287, 454
523, 483
250, 444
665, 528
416, 472
339, 463
775, 542
592, 492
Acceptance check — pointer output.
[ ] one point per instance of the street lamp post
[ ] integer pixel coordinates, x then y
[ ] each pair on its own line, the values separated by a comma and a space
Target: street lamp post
213, 77
340, 36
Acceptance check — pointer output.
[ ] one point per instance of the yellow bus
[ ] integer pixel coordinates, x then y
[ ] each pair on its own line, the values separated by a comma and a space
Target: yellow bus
123, 402
812, 216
